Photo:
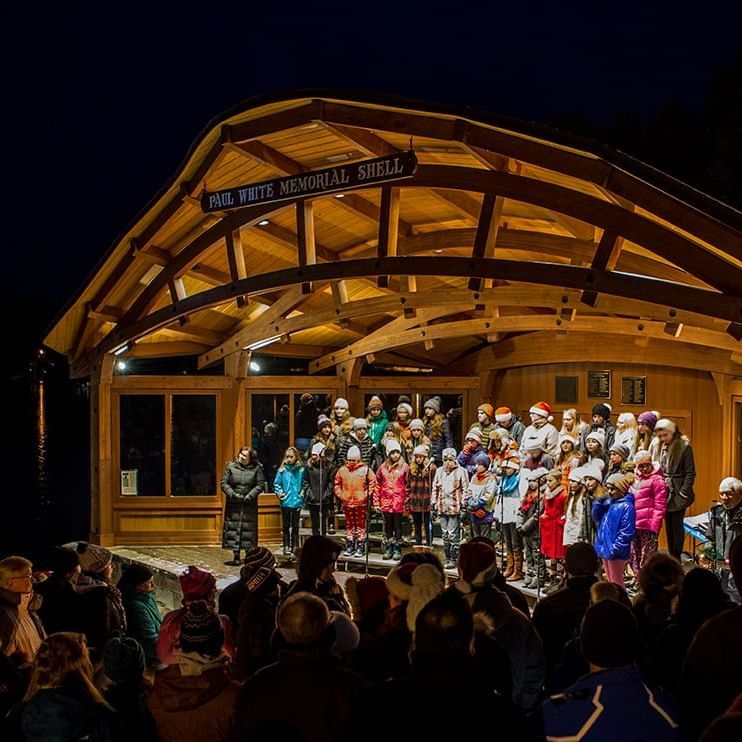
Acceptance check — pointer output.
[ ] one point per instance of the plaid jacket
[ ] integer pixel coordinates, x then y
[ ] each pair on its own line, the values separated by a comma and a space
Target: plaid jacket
418, 491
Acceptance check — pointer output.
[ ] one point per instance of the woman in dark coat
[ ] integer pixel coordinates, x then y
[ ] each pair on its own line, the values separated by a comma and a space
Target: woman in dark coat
242, 482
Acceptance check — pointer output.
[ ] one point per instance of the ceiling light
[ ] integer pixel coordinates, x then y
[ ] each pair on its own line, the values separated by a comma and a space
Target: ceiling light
262, 343
121, 365
255, 367
339, 195
263, 223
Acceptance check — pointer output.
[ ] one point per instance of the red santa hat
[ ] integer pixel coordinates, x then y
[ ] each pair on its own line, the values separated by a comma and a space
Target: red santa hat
503, 415
543, 410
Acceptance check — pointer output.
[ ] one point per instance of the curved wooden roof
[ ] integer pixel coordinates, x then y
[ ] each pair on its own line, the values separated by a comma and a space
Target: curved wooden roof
507, 236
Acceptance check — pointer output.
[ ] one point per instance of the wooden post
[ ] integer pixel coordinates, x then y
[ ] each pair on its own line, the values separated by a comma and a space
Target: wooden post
388, 228
306, 245
101, 434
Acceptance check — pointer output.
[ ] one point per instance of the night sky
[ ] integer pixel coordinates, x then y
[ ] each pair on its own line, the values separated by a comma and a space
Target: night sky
103, 100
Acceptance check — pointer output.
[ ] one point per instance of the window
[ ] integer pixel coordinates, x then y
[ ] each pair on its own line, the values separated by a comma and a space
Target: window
193, 445
142, 443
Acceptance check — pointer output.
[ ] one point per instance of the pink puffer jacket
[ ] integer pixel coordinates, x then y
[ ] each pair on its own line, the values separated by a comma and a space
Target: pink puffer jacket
650, 499
392, 487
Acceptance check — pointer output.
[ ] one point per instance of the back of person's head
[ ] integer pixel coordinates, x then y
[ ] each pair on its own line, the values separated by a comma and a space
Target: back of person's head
318, 553
197, 584
61, 661
580, 560
368, 598
735, 560
701, 596
423, 557
123, 659
609, 635
427, 584
201, 630
609, 591
63, 561
303, 620
477, 565
444, 628
347, 635
660, 578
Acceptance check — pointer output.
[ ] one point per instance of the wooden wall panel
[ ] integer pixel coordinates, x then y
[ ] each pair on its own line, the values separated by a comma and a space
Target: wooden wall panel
690, 396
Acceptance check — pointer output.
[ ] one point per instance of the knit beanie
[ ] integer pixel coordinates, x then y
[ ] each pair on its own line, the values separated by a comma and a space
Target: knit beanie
511, 463
609, 634
93, 558
417, 424
474, 434
575, 475
123, 659
420, 451
342, 403
427, 583
448, 453
359, 422
406, 407
596, 435
347, 635
503, 415
196, 583
567, 437
399, 580
477, 566
375, 402
434, 403
535, 474
647, 418
201, 630
323, 420
621, 482
640, 457
353, 454
483, 459
259, 565
621, 449
594, 470
602, 409
392, 445
666, 424
135, 574
62, 561
488, 410
542, 409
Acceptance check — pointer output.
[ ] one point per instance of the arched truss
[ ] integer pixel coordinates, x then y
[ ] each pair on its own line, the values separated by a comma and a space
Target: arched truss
680, 284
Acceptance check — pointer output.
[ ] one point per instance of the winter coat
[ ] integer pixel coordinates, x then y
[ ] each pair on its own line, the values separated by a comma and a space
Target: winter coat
480, 497
317, 487
197, 707
552, 524
614, 704
679, 478
168, 640
466, 458
438, 442
257, 624
102, 611
287, 485
331, 444
241, 485
10, 618
353, 486
610, 436
627, 437
306, 695
516, 429
577, 525
132, 720
616, 526
391, 486
449, 488
419, 487
65, 715
486, 429
508, 498
62, 606
369, 453
377, 427
547, 436
724, 527
143, 619
650, 499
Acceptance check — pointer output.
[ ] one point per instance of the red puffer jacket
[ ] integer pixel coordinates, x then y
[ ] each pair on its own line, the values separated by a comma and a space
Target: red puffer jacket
391, 488
353, 483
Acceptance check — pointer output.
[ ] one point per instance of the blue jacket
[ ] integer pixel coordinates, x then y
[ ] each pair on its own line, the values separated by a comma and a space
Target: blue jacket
287, 485
611, 705
617, 525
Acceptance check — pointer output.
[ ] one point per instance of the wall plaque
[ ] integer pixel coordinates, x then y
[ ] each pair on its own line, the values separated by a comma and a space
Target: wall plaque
634, 390
565, 389
599, 384
129, 482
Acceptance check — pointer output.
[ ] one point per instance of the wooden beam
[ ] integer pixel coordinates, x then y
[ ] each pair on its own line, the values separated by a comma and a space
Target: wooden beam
388, 228
606, 257
177, 293
236, 260
291, 239
486, 236
165, 349
339, 292
673, 329
306, 247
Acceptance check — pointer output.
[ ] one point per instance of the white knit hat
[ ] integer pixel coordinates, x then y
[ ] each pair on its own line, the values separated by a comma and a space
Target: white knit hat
405, 406
420, 451
392, 445
594, 470
666, 424
448, 453
596, 435
342, 403
354, 454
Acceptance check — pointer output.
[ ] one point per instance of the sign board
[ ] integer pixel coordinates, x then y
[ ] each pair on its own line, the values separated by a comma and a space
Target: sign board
313, 183
565, 391
129, 482
634, 390
599, 384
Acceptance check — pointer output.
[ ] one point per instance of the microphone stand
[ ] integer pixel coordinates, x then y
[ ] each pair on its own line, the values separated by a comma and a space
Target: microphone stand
368, 518
321, 498
538, 521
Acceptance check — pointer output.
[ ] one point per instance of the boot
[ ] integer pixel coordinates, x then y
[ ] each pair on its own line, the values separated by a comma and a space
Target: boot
388, 549
517, 573
453, 560
447, 553
350, 547
286, 547
510, 565
235, 561
361, 550
397, 551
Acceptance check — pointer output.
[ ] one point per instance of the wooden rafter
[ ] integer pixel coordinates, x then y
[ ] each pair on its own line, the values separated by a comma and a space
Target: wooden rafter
236, 260
606, 257
388, 228
486, 235
306, 246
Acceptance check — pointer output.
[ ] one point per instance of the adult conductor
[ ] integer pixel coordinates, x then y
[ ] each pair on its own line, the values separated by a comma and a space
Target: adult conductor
243, 480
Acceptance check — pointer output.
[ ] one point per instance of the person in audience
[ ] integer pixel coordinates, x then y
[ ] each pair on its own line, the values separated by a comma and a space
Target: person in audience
558, 616
389, 497
447, 499
616, 518
305, 695
21, 629
712, 672
288, 489
676, 460
124, 664
143, 617
354, 484
437, 429
614, 701
194, 698
601, 420
725, 527
659, 585
315, 573
61, 606
541, 433
443, 651
506, 625
317, 487
62, 702
195, 584
480, 497
507, 420
369, 598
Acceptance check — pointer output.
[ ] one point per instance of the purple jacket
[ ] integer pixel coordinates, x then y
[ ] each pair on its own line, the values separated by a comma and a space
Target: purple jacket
650, 499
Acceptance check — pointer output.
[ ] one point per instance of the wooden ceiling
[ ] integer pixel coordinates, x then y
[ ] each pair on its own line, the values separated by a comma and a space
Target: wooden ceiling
503, 240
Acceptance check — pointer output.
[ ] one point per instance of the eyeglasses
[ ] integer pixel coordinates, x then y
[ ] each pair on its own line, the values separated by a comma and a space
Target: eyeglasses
726, 494
22, 577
